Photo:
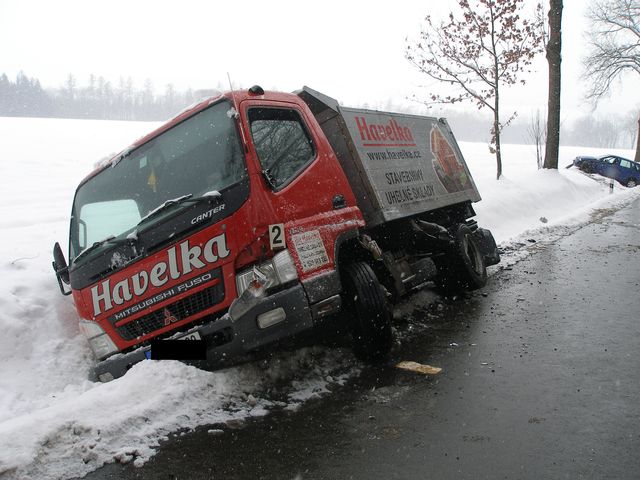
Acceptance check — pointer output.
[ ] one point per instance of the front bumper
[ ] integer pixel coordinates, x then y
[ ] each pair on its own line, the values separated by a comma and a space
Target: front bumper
227, 340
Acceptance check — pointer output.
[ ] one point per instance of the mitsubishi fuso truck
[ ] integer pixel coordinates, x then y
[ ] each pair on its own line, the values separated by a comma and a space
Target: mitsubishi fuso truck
254, 216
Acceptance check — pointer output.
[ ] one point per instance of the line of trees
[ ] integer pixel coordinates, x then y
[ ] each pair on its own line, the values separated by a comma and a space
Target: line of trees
609, 130
604, 131
97, 99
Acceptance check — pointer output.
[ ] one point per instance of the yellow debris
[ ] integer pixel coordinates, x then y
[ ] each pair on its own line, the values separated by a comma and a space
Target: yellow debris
419, 368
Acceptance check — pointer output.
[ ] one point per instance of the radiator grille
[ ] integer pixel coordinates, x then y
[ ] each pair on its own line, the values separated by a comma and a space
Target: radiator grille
181, 309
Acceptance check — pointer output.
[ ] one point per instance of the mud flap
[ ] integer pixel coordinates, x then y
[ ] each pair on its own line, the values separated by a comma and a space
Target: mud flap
487, 245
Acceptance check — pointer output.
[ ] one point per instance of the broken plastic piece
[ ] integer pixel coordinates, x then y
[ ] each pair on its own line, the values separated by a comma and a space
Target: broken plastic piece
419, 368
250, 297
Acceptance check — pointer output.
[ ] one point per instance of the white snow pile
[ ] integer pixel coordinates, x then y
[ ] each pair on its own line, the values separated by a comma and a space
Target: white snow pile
55, 424
527, 198
93, 424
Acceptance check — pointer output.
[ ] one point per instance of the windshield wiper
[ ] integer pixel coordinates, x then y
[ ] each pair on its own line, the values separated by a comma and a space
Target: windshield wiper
165, 206
188, 199
110, 239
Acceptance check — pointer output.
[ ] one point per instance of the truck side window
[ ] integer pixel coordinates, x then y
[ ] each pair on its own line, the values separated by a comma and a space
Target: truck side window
281, 141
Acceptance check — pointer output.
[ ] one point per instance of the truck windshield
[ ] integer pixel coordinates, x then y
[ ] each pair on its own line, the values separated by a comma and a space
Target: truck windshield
196, 157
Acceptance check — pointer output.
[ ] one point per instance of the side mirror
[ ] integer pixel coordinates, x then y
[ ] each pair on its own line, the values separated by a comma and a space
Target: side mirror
60, 267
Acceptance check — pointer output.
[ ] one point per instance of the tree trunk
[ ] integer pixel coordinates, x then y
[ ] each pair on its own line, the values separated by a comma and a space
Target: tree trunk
554, 58
496, 117
637, 159
496, 128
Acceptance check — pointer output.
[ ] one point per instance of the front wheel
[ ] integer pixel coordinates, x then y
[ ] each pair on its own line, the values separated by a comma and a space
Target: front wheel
365, 299
464, 266
631, 183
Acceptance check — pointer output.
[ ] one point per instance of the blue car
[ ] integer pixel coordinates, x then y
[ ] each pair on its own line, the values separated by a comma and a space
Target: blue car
625, 171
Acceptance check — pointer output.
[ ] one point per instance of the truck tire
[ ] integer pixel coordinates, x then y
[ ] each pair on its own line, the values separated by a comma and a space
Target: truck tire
364, 298
465, 267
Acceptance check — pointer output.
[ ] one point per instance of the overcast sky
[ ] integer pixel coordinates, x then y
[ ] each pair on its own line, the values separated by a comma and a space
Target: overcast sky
351, 50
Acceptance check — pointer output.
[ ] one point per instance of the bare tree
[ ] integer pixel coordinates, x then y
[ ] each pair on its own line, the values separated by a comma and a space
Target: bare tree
614, 47
630, 128
537, 133
554, 58
486, 44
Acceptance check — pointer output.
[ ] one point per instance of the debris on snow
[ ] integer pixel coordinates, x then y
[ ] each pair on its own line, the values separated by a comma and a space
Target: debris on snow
418, 368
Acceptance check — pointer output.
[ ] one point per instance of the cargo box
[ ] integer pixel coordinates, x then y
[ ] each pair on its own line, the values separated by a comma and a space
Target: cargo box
398, 165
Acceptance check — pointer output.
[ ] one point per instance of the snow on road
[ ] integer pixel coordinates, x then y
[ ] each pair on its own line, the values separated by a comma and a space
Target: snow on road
54, 423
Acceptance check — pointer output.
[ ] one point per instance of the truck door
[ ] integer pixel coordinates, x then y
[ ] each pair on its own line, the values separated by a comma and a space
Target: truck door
306, 189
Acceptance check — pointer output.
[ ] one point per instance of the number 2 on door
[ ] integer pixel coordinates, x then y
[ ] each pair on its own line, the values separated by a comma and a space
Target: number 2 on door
276, 236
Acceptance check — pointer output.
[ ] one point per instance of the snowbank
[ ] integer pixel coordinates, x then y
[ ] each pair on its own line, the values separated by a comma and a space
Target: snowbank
125, 419
56, 424
527, 198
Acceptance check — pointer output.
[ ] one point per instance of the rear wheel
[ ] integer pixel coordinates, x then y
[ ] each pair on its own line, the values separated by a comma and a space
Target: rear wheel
632, 182
364, 298
464, 266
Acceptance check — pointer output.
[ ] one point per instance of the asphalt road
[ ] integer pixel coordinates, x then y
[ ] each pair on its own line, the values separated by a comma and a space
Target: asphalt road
540, 380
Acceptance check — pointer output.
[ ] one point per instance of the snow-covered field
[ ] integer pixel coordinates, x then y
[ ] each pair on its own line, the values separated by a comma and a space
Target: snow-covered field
54, 423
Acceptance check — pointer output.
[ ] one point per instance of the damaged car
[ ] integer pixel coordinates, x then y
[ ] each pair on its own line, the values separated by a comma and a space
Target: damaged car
621, 169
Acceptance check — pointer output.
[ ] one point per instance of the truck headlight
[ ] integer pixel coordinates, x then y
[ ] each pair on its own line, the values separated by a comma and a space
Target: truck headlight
279, 270
252, 284
99, 341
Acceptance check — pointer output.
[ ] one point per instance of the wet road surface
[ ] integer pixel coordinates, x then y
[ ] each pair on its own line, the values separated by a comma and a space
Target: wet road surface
540, 379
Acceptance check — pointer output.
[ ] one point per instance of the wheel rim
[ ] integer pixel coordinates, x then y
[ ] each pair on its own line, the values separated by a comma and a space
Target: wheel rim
631, 183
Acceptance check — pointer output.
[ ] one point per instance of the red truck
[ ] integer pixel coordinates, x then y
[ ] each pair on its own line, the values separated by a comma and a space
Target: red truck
253, 216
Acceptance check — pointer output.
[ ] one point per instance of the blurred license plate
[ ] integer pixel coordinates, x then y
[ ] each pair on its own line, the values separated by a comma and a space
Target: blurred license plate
190, 336
194, 348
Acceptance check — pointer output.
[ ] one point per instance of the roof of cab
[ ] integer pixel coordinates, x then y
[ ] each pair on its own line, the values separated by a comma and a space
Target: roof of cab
235, 97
